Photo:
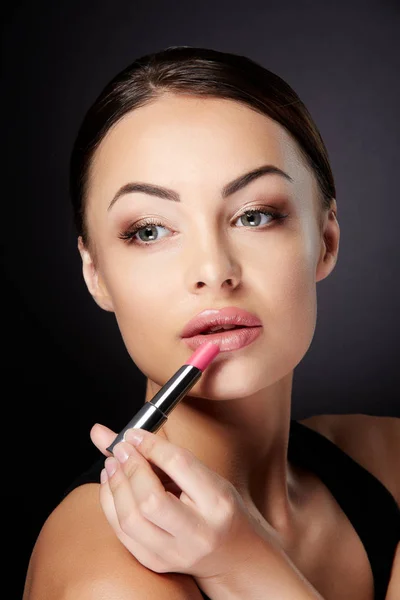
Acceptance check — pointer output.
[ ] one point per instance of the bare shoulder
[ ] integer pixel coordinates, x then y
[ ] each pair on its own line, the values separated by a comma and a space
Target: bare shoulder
78, 556
372, 441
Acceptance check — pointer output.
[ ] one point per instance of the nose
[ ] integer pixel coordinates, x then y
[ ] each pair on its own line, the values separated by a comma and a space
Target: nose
213, 268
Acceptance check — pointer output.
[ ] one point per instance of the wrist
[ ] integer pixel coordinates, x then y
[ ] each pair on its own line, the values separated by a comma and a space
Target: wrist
268, 570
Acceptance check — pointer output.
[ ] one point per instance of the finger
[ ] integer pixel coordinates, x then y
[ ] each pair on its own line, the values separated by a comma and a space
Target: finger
151, 500
102, 437
202, 486
140, 547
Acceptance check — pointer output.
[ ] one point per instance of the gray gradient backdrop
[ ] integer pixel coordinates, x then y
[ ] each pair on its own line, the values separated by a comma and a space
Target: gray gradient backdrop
66, 366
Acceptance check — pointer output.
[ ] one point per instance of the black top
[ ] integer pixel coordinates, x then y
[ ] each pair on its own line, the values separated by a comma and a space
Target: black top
368, 504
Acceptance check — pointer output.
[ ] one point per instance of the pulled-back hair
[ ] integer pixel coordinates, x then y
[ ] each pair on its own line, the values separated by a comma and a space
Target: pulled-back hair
197, 72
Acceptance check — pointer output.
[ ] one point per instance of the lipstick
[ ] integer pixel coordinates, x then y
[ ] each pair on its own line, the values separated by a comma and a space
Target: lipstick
153, 414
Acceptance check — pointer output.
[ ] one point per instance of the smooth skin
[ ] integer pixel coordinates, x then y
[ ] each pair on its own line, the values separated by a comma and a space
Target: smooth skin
208, 254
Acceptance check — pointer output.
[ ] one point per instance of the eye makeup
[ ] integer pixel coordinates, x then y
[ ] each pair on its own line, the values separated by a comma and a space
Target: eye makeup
129, 233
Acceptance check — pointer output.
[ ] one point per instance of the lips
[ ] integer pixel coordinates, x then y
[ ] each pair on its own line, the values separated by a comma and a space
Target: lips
228, 317
219, 329
226, 341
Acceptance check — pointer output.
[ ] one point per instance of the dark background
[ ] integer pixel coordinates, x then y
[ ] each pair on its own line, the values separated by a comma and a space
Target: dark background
64, 365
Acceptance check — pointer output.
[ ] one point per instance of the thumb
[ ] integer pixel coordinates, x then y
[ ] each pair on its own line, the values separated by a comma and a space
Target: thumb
102, 437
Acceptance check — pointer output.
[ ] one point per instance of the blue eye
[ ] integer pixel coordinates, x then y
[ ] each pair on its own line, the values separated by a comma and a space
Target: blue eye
148, 226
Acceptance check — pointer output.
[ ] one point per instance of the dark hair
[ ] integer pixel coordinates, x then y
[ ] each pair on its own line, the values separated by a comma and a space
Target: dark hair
197, 72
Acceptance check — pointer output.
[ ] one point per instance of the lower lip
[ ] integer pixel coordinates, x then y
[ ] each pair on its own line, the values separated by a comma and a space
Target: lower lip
228, 340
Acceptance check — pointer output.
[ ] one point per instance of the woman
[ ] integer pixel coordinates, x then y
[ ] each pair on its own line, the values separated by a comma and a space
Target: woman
199, 181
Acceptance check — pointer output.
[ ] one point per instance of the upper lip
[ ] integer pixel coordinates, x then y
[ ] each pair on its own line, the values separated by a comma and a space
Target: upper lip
211, 317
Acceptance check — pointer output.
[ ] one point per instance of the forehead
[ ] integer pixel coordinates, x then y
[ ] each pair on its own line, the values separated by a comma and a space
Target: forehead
183, 141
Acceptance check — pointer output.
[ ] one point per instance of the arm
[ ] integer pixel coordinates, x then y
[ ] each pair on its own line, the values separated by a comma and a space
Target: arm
78, 557
271, 575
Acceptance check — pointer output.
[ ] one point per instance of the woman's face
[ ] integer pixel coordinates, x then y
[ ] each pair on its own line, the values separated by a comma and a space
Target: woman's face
195, 146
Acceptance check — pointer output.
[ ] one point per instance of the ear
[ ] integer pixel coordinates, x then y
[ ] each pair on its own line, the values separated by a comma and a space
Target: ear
329, 244
94, 283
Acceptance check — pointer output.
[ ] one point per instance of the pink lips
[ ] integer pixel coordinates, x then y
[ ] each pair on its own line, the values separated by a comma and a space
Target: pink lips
211, 318
228, 340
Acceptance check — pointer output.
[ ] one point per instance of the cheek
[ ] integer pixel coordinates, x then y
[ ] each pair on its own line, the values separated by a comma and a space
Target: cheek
289, 303
144, 296
294, 283
135, 284
296, 311
285, 276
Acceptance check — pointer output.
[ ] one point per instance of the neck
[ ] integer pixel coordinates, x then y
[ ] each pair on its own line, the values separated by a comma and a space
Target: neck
245, 441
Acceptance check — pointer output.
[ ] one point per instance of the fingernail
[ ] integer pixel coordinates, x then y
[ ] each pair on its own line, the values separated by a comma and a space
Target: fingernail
103, 476
110, 465
133, 437
122, 451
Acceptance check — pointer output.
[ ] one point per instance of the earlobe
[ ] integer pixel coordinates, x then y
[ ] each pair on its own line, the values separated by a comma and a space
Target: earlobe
96, 287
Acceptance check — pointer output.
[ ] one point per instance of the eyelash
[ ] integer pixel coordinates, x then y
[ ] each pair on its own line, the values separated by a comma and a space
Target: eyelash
128, 235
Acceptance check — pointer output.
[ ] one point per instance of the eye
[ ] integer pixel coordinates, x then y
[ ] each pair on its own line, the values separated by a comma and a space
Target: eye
143, 229
148, 228
251, 216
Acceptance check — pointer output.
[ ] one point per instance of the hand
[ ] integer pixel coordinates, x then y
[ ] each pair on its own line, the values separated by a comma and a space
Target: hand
171, 511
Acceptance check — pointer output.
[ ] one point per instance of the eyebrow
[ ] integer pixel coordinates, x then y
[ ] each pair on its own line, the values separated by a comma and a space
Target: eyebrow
230, 188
